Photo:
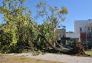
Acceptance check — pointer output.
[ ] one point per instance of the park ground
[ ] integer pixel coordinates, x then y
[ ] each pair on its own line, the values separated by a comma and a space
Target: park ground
44, 58
20, 59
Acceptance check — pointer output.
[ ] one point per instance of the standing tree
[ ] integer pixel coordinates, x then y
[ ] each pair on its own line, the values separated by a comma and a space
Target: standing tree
18, 23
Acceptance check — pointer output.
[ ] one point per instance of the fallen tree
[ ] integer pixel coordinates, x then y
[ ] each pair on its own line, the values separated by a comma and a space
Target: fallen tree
22, 31
77, 49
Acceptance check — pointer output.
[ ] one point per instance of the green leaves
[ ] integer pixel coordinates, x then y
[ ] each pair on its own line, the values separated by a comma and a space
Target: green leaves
18, 23
64, 11
23, 30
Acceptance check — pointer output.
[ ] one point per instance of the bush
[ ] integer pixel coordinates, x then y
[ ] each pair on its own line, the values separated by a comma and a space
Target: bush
5, 40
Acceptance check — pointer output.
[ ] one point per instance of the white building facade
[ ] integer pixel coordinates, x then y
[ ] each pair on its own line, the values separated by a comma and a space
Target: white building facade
82, 28
71, 35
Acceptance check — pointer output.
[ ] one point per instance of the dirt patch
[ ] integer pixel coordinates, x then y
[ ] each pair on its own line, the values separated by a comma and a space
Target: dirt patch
21, 59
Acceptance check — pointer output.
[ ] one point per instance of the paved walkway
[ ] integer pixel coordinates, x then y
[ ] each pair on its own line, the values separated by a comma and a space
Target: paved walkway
59, 58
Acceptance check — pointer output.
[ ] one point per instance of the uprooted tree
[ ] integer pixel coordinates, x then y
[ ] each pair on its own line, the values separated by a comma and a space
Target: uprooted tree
51, 23
20, 32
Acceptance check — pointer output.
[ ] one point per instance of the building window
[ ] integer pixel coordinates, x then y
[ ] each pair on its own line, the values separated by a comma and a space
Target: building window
80, 29
88, 28
91, 29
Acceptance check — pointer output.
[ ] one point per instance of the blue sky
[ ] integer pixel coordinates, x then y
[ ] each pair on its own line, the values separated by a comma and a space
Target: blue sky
78, 10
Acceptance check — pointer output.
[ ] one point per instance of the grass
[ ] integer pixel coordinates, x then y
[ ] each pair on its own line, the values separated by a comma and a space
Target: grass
88, 52
21, 59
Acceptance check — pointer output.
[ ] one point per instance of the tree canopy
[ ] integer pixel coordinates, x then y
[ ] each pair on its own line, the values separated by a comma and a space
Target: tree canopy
21, 32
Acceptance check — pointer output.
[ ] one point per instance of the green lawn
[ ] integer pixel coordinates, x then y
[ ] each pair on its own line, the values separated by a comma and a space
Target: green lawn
88, 52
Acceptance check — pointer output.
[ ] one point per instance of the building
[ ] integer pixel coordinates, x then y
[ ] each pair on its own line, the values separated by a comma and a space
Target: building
83, 30
59, 33
71, 35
